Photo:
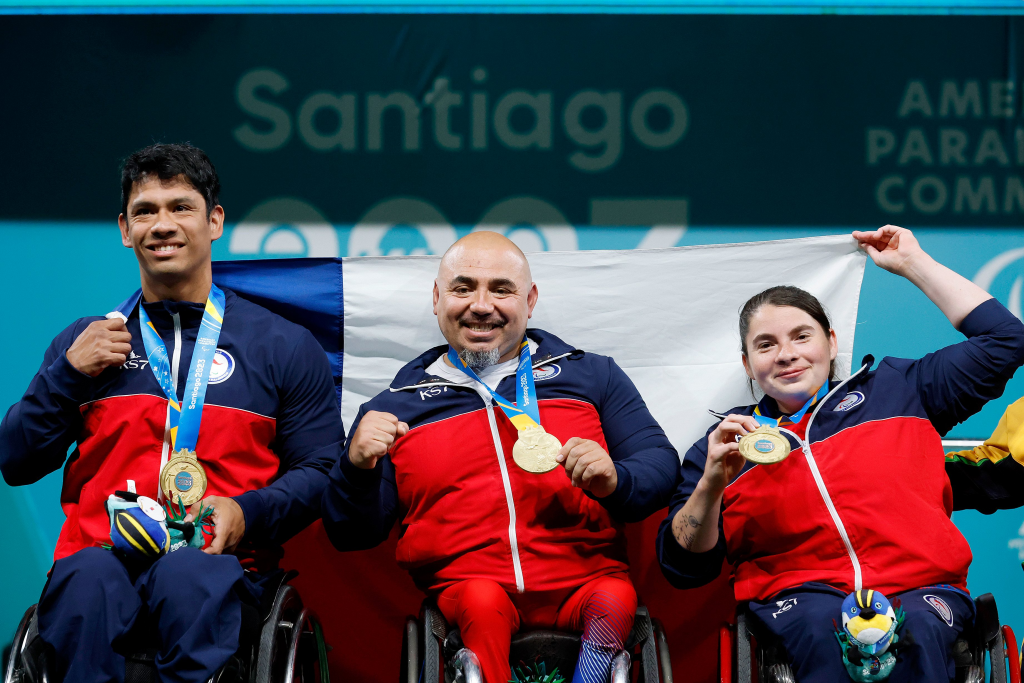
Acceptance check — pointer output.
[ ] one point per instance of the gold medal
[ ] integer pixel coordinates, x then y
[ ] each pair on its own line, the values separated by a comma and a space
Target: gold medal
764, 446
535, 450
183, 477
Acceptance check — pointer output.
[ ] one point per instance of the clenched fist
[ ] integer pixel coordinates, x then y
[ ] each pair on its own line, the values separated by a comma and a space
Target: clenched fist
374, 436
589, 466
102, 344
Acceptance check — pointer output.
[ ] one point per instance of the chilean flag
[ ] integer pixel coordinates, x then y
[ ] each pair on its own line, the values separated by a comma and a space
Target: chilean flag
669, 317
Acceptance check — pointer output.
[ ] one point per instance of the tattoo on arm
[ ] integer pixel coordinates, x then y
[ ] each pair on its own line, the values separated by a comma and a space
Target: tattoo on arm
684, 527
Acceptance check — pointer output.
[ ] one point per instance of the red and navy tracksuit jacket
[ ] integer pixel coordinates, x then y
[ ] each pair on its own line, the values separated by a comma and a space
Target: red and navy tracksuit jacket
270, 433
864, 499
467, 511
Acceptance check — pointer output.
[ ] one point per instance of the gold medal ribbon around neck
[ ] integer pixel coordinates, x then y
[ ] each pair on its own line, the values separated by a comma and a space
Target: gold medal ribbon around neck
535, 450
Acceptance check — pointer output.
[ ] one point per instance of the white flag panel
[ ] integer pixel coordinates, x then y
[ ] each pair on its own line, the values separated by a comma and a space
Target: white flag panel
669, 317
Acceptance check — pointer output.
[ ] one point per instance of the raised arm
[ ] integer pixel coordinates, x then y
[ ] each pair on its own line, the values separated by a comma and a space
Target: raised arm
954, 382
360, 504
690, 543
897, 250
38, 430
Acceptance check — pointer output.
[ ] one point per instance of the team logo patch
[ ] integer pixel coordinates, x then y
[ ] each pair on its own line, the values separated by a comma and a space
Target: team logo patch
223, 366
850, 401
940, 606
784, 606
546, 372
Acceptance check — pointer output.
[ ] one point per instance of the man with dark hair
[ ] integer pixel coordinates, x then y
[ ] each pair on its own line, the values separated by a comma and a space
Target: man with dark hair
131, 391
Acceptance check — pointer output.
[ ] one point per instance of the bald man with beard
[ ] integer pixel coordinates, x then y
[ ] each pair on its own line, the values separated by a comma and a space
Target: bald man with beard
501, 548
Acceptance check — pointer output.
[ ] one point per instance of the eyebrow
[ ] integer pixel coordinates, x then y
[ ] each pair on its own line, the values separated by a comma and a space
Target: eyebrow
768, 336
139, 203
461, 280
496, 282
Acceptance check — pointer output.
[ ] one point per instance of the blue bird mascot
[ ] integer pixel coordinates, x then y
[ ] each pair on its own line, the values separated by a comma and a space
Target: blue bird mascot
141, 531
869, 635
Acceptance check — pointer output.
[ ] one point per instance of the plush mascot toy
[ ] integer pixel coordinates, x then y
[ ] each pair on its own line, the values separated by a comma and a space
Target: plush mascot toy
189, 534
141, 531
869, 635
138, 527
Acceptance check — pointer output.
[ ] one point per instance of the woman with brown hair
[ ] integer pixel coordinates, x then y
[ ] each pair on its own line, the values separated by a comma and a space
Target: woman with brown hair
862, 501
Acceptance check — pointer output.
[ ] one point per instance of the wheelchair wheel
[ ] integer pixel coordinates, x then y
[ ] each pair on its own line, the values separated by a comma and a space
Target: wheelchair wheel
292, 646
14, 672
410, 668
433, 634
664, 656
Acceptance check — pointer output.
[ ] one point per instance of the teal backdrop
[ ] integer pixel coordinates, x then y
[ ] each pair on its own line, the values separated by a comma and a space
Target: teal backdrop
350, 135
52, 273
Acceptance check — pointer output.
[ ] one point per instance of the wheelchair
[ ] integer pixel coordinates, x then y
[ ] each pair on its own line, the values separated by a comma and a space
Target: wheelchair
281, 641
432, 651
744, 659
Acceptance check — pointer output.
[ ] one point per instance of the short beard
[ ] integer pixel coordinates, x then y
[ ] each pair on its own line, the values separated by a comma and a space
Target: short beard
480, 359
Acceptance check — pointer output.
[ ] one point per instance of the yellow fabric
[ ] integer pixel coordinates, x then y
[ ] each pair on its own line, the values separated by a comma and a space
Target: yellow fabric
212, 310
523, 422
858, 625
1006, 441
142, 532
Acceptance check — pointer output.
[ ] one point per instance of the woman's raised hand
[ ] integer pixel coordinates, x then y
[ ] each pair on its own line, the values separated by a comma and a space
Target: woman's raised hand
896, 249
724, 460
890, 247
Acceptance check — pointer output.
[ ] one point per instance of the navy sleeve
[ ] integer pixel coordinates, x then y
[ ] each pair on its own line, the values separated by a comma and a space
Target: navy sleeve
38, 430
360, 506
682, 568
309, 437
957, 381
646, 462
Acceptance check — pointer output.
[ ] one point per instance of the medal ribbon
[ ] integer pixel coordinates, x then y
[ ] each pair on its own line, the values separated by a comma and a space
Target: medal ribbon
795, 417
184, 418
523, 413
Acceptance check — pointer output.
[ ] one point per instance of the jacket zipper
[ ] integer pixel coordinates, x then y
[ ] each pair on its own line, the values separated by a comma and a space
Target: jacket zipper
805, 444
512, 538
166, 449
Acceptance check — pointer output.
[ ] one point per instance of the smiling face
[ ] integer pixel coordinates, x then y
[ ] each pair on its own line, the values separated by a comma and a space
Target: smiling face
484, 294
168, 227
788, 354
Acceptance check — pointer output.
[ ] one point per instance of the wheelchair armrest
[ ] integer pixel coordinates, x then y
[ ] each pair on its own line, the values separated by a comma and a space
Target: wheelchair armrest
986, 623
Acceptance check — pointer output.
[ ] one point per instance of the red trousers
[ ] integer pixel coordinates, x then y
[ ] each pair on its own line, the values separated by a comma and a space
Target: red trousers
488, 617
